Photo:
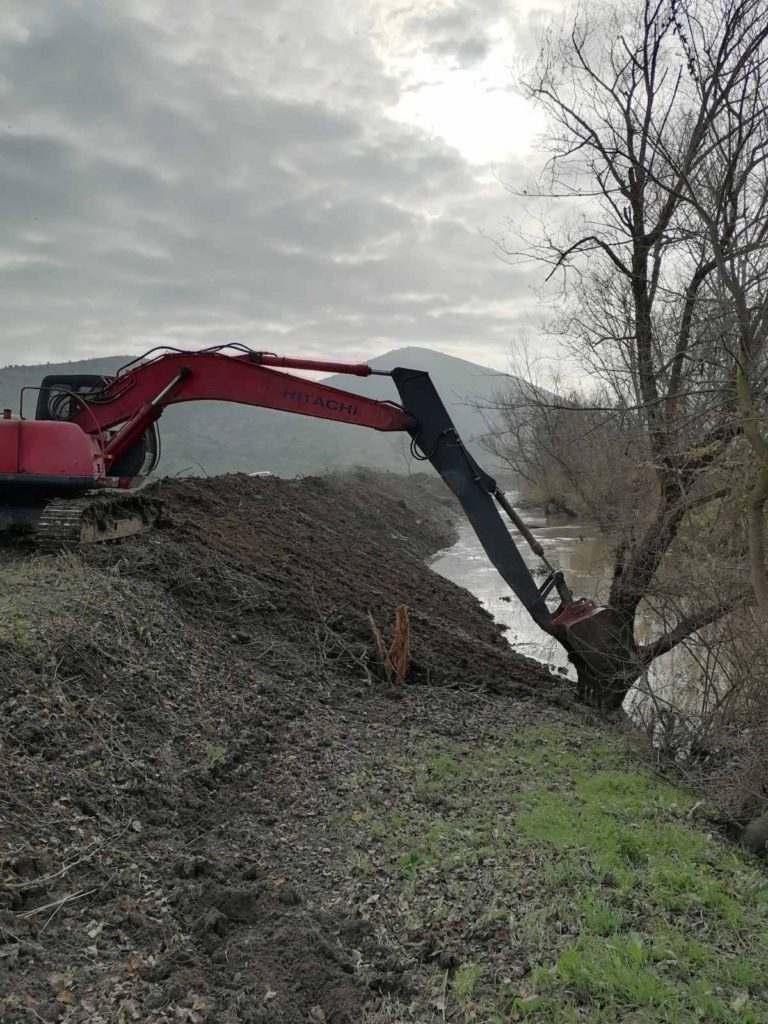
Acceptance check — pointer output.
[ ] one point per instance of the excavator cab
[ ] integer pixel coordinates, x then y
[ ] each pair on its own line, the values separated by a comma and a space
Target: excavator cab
57, 397
50, 463
61, 397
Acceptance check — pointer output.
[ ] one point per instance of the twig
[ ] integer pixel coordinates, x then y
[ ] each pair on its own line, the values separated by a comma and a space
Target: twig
43, 880
57, 904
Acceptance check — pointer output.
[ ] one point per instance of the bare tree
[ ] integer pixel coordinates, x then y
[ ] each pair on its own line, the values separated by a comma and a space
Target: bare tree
570, 454
656, 130
728, 191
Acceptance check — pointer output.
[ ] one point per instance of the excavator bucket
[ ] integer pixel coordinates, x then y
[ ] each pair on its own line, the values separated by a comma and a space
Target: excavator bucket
595, 637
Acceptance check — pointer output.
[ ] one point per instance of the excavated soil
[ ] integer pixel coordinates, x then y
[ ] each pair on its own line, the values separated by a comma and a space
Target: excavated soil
179, 714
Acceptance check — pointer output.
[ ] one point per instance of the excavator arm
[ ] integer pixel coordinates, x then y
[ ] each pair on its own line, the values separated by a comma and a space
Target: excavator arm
137, 396
436, 437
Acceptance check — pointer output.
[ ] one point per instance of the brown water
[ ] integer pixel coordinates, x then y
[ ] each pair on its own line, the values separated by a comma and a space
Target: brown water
585, 556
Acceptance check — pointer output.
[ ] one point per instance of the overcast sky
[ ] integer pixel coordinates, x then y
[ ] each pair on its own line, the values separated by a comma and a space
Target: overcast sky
306, 176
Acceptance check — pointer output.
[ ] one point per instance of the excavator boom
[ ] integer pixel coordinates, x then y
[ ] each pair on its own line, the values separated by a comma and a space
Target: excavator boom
248, 379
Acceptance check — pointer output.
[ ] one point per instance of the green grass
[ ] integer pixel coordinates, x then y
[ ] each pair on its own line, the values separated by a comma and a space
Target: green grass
574, 885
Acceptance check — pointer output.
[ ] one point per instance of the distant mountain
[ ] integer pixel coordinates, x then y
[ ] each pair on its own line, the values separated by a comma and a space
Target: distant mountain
219, 437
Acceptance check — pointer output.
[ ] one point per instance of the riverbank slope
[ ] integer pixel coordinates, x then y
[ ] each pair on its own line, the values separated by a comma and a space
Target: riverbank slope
214, 809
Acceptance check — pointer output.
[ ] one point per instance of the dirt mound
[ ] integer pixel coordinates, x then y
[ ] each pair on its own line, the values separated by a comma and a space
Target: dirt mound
165, 710
271, 561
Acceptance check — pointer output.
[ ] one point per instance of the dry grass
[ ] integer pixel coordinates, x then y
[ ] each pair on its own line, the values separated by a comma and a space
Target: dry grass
394, 659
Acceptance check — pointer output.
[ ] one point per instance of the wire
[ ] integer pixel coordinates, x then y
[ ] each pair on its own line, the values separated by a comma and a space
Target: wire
426, 456
237, 345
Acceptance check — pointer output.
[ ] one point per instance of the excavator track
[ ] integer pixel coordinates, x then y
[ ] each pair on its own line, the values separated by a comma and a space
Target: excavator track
73, 525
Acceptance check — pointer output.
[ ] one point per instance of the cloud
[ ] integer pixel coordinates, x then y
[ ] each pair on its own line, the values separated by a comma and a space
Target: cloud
460, 31
201, 172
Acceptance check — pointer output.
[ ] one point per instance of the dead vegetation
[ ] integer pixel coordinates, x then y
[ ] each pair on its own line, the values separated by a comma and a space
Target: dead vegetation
394, 659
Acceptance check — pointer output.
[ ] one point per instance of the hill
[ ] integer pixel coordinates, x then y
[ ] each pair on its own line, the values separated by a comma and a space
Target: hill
217, 437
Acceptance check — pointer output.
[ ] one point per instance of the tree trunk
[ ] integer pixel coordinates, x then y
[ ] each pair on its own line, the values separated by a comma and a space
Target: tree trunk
554, 505
758, 495
603, 651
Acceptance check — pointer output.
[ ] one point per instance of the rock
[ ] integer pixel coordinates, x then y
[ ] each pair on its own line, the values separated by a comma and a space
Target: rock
755, 835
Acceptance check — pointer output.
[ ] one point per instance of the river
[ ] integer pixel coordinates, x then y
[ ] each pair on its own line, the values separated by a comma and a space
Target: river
584, 554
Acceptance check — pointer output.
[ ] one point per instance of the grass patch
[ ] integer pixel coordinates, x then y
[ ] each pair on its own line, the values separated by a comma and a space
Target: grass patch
570, 884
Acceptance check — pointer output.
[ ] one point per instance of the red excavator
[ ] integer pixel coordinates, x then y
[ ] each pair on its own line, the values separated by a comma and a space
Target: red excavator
73, 475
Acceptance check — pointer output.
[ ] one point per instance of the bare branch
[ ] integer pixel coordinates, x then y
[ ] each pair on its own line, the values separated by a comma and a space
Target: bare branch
689, 625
